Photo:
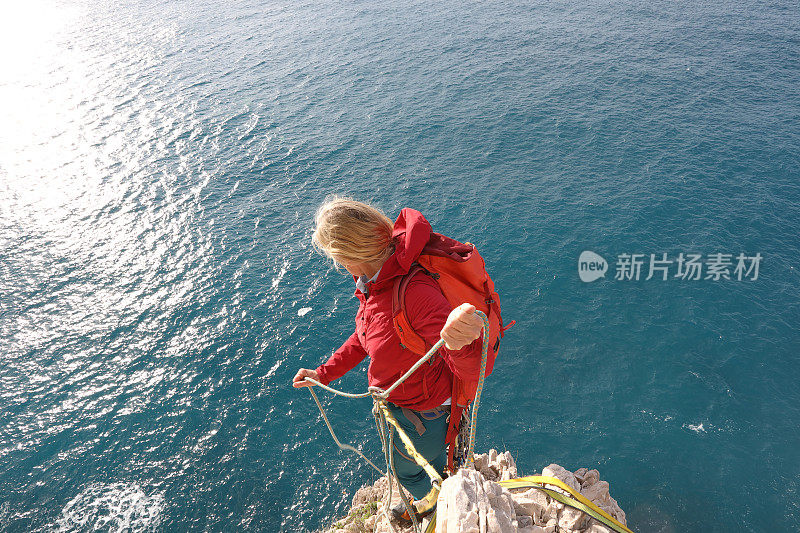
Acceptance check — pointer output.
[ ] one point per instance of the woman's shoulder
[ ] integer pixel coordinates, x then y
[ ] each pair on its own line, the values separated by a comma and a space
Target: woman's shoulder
422, 288
421, 279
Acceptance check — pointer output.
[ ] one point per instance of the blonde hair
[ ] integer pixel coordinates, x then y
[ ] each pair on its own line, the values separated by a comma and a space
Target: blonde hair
349, 231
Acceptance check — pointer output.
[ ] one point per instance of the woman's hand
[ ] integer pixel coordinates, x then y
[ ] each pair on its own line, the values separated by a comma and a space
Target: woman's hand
462, 327
302, 374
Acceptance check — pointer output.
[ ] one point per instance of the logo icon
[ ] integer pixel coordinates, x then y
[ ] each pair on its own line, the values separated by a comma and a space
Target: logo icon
591, 266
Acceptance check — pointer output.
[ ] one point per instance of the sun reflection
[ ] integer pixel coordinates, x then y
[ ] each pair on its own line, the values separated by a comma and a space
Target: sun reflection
33, 102
112, 252
104, 235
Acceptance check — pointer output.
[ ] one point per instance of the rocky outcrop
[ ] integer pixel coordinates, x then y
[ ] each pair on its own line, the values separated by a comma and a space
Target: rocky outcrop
473, 502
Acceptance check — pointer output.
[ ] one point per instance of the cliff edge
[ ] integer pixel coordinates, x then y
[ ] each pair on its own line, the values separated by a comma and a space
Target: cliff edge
472, 501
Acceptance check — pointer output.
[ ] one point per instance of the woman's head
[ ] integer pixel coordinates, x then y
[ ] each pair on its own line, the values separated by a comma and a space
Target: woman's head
352, 232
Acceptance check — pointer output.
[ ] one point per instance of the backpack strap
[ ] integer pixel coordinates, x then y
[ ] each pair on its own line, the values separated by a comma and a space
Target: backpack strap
411, 340
399, 289
453, 422
408, 337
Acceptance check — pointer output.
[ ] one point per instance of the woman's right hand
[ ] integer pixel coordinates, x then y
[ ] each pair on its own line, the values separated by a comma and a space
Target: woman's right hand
302, 374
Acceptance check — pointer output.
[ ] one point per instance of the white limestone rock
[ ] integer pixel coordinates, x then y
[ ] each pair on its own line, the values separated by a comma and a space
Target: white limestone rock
590, 477
481, 461
471, 502
570, 519
597, 492
524, 521
532, 503
598, 528
559, 472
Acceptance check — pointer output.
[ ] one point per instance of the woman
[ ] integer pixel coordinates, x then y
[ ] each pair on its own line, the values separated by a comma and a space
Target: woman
376, 252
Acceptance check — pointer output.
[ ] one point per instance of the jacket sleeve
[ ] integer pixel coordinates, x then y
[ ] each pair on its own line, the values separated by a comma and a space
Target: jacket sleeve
427, 310
343, 360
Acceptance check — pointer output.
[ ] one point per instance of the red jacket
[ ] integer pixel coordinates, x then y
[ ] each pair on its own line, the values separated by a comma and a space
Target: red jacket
375, 335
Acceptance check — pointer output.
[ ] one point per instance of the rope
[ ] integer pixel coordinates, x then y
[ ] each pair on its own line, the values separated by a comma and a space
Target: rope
382, 415
385, 448
408, 505
474, 420
387, 445
338, 392
389, 467
431, 352
381, 394
339, 444
419, 459
377, 393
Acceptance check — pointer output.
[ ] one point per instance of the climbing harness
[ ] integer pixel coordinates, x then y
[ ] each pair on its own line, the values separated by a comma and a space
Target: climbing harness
436, 479
387, 425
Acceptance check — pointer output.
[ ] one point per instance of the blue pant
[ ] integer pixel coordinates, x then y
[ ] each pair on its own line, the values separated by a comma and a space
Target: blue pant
430, 445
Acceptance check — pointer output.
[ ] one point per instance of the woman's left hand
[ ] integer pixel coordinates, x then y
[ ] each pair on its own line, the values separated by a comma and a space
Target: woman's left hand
462, 327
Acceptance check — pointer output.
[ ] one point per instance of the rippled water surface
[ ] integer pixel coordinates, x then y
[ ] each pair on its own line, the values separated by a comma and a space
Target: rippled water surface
160, 164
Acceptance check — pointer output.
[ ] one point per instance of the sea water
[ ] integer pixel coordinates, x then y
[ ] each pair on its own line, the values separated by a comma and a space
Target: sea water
160, 165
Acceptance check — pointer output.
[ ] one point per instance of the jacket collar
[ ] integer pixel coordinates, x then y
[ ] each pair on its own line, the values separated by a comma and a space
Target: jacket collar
410, 235
361, 283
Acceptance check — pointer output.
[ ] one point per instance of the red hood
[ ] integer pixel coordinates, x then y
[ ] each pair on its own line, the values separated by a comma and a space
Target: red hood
411, 233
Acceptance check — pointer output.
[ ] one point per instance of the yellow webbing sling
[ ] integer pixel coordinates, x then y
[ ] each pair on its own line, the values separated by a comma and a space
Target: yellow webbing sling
575, 500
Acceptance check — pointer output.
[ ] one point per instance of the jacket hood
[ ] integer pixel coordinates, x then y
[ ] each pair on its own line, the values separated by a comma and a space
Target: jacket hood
411, 233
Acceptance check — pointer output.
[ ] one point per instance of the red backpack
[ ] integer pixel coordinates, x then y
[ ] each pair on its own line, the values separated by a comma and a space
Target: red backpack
461, 273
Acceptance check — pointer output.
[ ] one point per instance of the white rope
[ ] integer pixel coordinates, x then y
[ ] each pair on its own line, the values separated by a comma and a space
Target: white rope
387, 445
338, 392
375, 391
408, 505
380, 420
384, 447
339, 444
411, 370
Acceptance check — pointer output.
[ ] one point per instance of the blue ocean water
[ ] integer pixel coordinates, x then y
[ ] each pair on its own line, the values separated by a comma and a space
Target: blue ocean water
160, 164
